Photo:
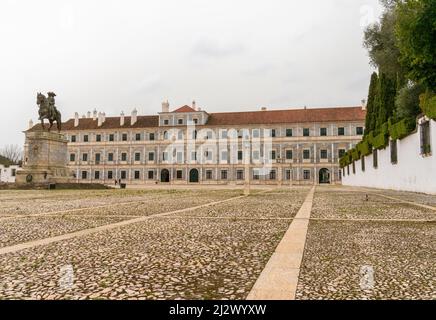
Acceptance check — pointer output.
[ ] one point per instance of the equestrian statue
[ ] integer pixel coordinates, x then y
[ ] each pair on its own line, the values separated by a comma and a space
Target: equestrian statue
48, 110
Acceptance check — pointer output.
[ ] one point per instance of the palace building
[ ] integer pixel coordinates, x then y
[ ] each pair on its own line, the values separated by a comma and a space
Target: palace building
189, 146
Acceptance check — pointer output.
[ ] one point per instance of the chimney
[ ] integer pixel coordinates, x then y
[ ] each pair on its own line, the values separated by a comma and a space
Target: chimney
94, 115
363, 104
76, 119
134, 117
30, 124
194, 105
165, 106
122, 119
88, 114
103, 115
100, 119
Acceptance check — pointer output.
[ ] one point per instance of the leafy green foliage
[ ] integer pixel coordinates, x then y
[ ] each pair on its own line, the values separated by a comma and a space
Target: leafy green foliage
428, 104
370, 106
407, 101
402, 128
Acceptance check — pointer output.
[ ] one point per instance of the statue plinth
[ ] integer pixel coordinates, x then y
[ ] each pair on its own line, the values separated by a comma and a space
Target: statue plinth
45, 159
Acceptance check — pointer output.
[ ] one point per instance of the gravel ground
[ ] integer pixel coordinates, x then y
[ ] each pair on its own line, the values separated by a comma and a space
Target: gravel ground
34, 202
422, 198
157, 259
369, 260
353, 205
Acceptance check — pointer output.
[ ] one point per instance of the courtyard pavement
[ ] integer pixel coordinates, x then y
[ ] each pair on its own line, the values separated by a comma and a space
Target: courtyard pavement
207, 243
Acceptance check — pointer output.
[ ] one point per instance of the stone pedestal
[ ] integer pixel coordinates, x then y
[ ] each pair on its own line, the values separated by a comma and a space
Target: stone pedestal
45, 159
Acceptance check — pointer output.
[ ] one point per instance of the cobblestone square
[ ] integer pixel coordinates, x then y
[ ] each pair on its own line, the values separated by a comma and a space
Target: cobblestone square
213, 243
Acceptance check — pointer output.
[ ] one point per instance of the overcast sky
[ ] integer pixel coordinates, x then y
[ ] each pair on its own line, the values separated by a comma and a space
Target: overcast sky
228, 55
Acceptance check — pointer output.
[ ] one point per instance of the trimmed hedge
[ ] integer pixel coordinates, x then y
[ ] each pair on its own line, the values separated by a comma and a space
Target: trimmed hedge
402, 128
355, 154
364, 147
428, 104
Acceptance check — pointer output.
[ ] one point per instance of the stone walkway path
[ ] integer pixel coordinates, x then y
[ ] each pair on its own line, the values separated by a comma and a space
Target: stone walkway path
279, 279
31, 244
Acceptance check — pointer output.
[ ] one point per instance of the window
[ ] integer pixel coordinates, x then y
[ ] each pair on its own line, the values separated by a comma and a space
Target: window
208, 155
137, 174
85, 157
256, 133
306, 174
341, 131
223, 174
289, 132
240, 134
179, 174
151, 156
273, 133
137, 156
224, 156
272, 175
110, 157
343, 171
165, 135
150, 174
209, 135
374, 159
288, 154
97, 175
73, 138
341, 153
224, 134
256, 155
123, 174
208, 174
239, 155
425, 138
359, 131
98, 138
306, 154
111, 137
194, 156
240, 175
354, 167
84, 175
323, 132
151, 136
124, 156
195, 121
97, 158
124, 137
138, 137
180, 121
362, 160
85, 138
394, 151
166, 122
256, 175
72, 157
306, 132
273, 154
194, 134
165, 156
180, 135
348, 170
323, 154
288, 174
110, 174
179, 157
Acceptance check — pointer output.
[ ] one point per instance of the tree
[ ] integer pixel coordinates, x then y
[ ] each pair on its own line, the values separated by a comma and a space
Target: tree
416, 39
380, 41
385, 101
370, 120
407, 100
12, 152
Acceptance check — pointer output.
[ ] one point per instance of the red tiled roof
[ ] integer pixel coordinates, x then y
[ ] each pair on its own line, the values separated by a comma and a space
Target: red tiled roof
287, 116
185, 108
109, 123
230, 118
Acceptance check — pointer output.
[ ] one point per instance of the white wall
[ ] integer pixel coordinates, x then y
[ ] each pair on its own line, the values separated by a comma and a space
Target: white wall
6, 173
413, 172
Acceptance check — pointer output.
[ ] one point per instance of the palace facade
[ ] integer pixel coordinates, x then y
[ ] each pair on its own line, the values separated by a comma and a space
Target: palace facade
190, 146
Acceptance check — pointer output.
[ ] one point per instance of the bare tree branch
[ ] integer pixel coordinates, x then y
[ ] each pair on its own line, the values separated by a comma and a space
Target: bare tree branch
13, 152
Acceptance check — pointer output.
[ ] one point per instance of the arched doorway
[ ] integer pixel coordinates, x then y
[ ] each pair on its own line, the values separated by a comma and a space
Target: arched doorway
193, 175
164, 176
324, 176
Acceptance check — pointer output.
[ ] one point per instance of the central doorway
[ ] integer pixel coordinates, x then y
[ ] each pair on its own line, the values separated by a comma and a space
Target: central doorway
164, 176
193, 175
324, 176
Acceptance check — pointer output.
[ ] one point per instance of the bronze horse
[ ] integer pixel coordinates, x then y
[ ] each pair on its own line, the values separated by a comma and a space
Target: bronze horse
47, 110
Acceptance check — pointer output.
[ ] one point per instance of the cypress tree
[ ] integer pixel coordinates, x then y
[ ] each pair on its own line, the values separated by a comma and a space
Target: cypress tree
370, 107
386, 99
